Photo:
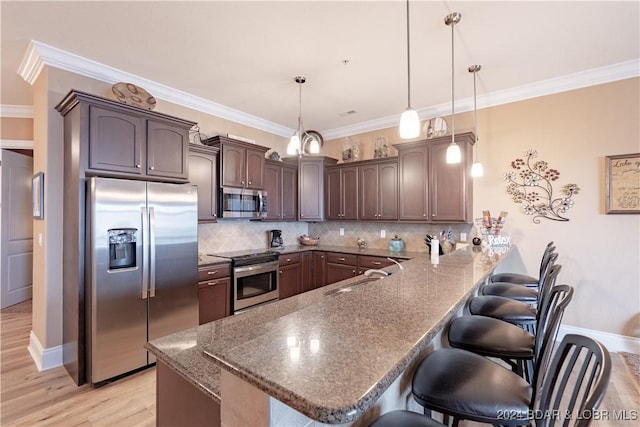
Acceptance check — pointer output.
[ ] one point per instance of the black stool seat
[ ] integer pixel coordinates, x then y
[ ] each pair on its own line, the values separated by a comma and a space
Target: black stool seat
503, 308
468, 386
491, 337
516, 278
405, 419
510, 290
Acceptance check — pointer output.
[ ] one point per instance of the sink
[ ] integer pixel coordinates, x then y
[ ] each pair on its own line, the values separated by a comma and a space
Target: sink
349, 287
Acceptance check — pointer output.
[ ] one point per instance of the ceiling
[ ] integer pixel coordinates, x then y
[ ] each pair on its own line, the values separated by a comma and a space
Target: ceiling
243, 56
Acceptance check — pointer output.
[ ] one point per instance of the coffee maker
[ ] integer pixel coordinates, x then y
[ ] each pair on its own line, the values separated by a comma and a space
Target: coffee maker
275, 238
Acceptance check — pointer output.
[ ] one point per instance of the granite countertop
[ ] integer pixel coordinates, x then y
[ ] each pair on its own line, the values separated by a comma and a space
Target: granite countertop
205, 259
330, 355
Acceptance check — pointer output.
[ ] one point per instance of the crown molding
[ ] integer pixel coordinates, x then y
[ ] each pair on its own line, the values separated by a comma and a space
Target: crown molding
593, 77
16, 144
39, 54
16, 111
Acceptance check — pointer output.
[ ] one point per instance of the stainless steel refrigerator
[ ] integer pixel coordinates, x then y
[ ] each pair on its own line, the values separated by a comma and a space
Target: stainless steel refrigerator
143, 264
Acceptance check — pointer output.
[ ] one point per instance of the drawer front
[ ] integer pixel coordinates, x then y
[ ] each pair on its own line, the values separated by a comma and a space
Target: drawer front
340, 258
373, 262
209, 272
287, 259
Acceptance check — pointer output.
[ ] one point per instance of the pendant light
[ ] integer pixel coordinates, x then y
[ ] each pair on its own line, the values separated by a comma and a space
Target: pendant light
300, 139
476, 168
453, 151
409, 120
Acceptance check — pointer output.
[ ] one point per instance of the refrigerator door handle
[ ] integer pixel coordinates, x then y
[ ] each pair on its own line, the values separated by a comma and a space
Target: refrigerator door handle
152, 253
145, 246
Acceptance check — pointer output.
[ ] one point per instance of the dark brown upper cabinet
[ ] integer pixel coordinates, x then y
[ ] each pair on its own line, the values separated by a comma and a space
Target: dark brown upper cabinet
311, 185
241, 163
429, 189
119, 140
281, 185
202, 174
341, 192
378, 190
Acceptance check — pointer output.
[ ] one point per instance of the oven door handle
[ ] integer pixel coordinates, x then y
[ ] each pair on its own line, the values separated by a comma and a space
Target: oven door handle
247, 270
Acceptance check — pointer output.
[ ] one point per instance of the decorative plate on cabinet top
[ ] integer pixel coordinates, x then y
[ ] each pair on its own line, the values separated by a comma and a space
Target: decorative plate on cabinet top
130, 94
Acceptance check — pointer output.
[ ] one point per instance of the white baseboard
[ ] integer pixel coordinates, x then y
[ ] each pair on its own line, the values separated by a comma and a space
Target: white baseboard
613, 342
44, 358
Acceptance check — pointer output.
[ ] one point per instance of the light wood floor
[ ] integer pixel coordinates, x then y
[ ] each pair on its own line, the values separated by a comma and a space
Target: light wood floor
51, 398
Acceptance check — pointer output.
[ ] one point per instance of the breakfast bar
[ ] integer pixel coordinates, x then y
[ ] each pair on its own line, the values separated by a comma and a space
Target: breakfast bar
342, 354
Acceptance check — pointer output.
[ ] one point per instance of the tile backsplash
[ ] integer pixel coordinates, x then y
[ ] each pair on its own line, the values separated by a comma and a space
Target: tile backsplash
236, 235
412, 234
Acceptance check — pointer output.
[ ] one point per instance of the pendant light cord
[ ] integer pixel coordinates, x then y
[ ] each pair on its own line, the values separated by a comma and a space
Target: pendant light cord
475, 114
408, 62
453, 99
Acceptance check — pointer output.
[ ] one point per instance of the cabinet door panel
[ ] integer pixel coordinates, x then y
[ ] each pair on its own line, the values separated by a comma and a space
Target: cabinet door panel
338, 272
202, 174
413, 184
167, 150
369, 192
273, 186
349, 194
447, 185
319, 269
214, 300
233, 166
116, 141
310, 179
289, 194
332, 190
388, 191
255, 168
290, 280
307, 272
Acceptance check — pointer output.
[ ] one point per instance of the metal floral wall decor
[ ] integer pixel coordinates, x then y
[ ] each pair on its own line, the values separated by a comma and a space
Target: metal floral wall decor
529, 183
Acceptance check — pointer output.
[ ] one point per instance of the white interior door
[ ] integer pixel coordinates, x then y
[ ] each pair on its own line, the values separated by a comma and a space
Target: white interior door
16, 225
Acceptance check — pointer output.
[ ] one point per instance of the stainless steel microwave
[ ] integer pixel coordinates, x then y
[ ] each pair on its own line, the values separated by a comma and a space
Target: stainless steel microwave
242, 203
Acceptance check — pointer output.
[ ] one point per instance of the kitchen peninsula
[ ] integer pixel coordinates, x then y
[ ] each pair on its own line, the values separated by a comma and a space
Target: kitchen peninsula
339, 354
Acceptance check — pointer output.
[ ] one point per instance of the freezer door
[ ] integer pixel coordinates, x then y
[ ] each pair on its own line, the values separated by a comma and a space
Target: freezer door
117, 312
173, 258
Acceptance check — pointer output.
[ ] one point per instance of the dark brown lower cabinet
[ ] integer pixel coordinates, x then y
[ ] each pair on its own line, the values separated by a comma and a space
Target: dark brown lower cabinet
341, 266
179, 403
319, 270
214, 292
290, 275
307, 272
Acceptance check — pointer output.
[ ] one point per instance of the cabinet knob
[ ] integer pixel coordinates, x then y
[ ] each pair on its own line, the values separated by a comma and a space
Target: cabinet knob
342, 259
424, 214
249, 182
301, 214
211, 273
215, 282
288, 259
151, 168
354, 272
280, 271
376, 263
433, 214
242, 182
321, 256
138, 166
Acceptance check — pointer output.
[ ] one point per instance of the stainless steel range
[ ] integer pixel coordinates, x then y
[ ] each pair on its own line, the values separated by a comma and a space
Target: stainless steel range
255, 278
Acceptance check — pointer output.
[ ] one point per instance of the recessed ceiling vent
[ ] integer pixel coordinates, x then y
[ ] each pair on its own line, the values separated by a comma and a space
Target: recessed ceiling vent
347, 113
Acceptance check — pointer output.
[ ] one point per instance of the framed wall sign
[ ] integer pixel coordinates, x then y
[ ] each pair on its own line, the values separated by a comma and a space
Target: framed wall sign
622, 174
37, 196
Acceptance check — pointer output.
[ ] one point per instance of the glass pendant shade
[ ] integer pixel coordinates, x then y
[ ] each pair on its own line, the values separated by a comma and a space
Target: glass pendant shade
314, 147
293, 147
409, 124
453, 153
477, 170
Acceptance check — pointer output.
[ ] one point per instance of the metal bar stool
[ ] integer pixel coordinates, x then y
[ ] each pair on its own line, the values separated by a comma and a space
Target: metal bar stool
512, 311
520, 349
523, 279
468, 386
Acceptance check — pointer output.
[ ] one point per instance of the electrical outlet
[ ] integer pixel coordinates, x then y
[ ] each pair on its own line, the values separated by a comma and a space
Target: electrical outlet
342, 231
463, 237
383, 233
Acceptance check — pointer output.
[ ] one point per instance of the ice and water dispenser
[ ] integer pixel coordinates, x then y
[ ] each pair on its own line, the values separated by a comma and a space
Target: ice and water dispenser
122, 248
